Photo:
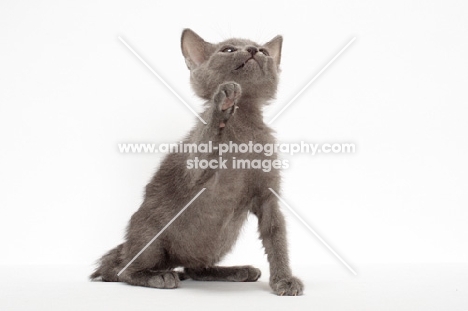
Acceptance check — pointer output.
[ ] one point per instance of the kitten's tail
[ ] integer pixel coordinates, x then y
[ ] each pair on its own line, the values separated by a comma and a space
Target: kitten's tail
108, 266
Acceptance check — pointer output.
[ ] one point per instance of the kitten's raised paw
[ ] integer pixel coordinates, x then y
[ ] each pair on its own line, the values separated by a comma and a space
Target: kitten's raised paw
168, 279
290, 286
225, 99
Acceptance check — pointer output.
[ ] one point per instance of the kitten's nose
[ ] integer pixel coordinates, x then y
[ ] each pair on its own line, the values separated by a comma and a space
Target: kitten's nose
252, 50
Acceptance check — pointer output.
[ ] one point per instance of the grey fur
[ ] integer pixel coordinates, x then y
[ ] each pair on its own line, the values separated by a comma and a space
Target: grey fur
235, 89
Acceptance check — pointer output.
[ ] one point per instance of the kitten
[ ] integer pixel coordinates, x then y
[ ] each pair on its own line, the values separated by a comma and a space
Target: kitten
237, 78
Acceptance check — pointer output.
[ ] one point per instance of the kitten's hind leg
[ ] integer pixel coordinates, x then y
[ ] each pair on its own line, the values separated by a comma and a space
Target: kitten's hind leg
229, 274
151, 278
152, 268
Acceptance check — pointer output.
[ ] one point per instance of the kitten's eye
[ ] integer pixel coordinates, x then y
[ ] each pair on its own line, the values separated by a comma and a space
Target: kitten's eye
228, 50
265, 52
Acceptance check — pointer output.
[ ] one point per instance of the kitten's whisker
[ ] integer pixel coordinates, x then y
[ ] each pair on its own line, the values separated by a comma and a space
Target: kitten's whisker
313, 232
161, 79
311, 81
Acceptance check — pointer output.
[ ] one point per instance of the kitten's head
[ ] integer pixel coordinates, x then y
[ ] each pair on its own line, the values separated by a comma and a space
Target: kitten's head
254, 66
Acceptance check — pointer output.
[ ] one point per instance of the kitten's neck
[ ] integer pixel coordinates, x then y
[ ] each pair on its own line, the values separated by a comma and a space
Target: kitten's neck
250, 110
244, 125
247, 123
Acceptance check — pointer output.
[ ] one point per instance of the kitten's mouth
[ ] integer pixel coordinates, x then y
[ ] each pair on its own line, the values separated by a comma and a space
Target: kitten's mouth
245, 62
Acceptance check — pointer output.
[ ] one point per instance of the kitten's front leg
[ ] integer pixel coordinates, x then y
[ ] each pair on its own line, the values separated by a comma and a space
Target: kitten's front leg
272, 229
225, 100
221, 109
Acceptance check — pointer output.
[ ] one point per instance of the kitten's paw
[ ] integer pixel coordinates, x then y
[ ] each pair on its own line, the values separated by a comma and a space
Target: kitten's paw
168, 279
245, 274
254, 274
290, 286
225, 99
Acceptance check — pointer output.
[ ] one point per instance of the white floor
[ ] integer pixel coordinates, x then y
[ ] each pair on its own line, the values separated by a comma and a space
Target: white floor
377, 287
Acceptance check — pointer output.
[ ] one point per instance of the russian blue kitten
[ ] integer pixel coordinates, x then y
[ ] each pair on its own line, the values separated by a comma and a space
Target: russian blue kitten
237, 78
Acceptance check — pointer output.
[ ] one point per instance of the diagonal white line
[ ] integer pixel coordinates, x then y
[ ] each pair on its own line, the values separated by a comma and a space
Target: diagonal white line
315, 233
161, 79
162, 230
311, 81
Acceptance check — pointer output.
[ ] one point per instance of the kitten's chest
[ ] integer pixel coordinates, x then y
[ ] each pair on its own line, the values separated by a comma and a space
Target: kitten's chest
227, 186
223, 204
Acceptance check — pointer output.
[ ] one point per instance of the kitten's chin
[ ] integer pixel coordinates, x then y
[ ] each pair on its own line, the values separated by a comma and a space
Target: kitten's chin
248, 64
251, 64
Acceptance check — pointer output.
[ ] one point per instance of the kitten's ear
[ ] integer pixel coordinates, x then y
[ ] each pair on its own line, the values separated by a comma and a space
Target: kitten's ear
196, 51
274, 47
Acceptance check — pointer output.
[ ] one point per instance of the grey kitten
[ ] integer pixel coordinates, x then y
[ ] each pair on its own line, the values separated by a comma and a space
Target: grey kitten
233, 74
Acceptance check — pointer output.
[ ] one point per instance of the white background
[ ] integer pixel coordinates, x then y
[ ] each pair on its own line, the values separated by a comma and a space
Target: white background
70, 91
